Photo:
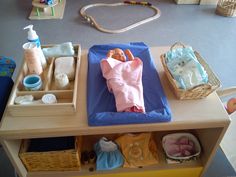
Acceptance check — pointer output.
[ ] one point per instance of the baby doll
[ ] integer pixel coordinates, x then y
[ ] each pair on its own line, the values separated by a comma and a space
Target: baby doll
124, 79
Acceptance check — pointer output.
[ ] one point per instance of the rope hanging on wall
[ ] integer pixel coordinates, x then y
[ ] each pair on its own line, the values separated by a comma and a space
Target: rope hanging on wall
93, 22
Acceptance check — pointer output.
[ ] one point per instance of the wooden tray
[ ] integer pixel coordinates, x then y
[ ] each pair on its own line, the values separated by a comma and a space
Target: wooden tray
66, 99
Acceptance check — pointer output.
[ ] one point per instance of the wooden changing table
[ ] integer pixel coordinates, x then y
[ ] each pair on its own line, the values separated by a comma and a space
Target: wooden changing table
206, 118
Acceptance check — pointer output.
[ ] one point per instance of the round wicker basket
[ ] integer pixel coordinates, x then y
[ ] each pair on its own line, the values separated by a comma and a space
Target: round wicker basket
226, 8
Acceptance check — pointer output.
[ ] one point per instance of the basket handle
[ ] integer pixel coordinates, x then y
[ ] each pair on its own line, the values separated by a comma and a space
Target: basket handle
177, 44
202, 86
227, 91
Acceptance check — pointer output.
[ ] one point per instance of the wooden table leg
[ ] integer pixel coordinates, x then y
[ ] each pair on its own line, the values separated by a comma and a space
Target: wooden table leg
53, 12
37, 11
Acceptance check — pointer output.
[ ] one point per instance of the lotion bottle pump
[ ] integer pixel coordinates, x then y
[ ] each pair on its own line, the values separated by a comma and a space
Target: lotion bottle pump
32, 35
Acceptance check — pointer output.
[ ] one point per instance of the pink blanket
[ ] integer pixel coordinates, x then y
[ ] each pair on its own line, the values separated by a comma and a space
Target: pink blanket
124, 80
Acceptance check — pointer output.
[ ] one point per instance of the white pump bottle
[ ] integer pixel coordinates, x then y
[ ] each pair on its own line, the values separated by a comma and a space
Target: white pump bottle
33, 37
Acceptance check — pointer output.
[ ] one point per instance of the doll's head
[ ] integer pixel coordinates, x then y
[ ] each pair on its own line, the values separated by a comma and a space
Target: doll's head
120, 55
117, 54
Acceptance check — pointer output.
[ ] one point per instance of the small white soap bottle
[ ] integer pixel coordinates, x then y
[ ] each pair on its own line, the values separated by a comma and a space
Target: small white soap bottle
33, 37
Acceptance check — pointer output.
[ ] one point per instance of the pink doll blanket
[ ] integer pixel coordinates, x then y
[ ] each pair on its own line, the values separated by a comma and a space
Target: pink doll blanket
124, 80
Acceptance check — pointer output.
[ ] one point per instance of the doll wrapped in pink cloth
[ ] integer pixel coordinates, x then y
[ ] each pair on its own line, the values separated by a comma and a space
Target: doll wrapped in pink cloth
124, 80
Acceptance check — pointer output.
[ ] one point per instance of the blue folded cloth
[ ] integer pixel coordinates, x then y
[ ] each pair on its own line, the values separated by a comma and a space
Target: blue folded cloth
60, 50
5, 90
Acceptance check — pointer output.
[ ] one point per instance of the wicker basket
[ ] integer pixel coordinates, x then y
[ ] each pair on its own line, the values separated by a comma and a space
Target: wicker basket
226, 8
173, 137
197, 92
61, 160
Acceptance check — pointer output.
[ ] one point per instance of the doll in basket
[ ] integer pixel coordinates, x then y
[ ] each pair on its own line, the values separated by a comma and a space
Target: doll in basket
124, 79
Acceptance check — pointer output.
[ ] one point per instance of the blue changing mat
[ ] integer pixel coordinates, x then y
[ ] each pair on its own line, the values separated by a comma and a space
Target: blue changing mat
101, 106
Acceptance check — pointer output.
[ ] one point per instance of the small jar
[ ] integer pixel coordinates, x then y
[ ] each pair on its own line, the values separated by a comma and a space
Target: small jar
61, 81
32, 82
49, 99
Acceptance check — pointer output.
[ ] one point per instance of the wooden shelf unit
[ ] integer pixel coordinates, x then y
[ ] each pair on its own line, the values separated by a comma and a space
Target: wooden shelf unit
205, 118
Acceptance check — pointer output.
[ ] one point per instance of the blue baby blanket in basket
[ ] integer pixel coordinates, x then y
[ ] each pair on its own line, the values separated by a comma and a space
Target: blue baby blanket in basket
101, 105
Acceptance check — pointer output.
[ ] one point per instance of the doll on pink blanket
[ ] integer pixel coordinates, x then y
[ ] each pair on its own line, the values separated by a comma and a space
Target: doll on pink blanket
124, 80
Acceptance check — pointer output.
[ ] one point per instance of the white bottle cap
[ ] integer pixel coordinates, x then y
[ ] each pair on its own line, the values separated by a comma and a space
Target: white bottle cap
49, 99
32, 35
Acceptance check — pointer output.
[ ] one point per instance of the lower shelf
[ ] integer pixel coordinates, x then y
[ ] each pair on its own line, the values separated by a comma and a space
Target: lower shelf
209, 140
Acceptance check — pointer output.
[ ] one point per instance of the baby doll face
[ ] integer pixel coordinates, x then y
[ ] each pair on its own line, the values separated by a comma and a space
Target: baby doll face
117, 54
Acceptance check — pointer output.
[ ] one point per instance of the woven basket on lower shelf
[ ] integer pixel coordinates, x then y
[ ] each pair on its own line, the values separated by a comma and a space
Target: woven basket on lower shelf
61, 160
197, 92
226, 8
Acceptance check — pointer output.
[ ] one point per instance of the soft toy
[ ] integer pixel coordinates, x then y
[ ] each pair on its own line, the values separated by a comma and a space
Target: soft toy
231, 105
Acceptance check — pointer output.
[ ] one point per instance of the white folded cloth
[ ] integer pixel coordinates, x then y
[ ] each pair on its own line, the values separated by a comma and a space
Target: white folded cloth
60, 50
